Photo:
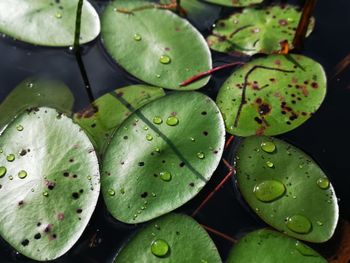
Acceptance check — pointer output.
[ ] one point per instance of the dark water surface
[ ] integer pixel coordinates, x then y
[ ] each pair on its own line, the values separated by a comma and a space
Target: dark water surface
325, 136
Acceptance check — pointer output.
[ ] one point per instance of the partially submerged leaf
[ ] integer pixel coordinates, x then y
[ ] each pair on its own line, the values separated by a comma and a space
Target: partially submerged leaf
171, 238
49, 178
201, 14
155, 45
33, 92
47, 23
257, 30
235, 3
272, 95
266, 246
106, 114
162, 156
286, 188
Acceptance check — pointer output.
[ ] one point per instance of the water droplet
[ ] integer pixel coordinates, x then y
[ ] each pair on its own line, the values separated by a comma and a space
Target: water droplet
10, 158
269, 190
165, 176
323, 183
158, 76
319, 223
270, 164
201, 155
159, 247
157, 226
145, 128
58, 15
22, 174
111, 192
299, 224
149, 137
122, 190
157, 120
46, 194
172, 121
3, 171
304, 250
89, 177
11, 177
30, 85
157, 150
137, 37
268, 147
154, 194
192, 139
19, 128
164, 59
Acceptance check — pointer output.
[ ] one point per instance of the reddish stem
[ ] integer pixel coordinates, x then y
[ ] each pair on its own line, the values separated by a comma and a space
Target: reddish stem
211, 194
228, 238
209, 72
227, 164
230, 139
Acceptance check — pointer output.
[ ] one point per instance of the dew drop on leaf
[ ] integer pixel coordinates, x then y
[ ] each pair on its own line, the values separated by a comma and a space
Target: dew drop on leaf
172, 121
165, 176
164, 59
22, 174
137, 37
157, 120
268, 147
299, 224
269, 190
3, 171
159, 248
11, 157
323, 183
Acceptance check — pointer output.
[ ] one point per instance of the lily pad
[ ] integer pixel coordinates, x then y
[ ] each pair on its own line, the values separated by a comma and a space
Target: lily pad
235, 3
34, 92
107, 113
266, 246
286, 188
257, 30
201, 14
162, 156
272, 95
47, 23
49, 178
171, 238
155, 45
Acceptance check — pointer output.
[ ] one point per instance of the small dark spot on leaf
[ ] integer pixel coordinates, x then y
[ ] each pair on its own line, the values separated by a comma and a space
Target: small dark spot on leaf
205, 133
75, 195
191, 184
144, 194
71, 160
65, 174
125, 137
25, 242
37, 236
79, 210
23, 152
204, 113
182, 164
141, 163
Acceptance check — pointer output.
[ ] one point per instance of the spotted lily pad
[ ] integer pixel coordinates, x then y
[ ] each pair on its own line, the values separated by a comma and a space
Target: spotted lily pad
201, 14
286, 188
162, 156
155, 45
257, 30
49, 181
47, 22
272, 95
109, 111
266, 246
171, 238
34, 92
235, 3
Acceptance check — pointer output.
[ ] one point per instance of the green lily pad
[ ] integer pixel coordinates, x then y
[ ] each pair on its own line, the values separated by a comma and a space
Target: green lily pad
286, 188
109, 111
272, 95
171, 238
266, 246
47, 23
49, 177
201, 14
155, 45
33, 92
235, 3
162, 156
257, 30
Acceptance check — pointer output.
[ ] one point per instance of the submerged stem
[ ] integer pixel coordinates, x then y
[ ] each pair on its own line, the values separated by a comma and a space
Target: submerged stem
76, 48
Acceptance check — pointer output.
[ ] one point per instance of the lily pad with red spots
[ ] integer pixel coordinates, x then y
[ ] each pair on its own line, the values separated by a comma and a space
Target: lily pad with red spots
235, 3
107, 113
272, 95
257, 30
49, 177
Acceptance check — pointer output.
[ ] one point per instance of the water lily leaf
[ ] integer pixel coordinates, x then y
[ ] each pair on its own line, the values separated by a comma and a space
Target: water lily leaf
49, 180
33, 92
272, 95
201, 14
109, 111
162, 156
235, 3
155, 45
286, 188
171, 238
266, 246
257, 30
47, 23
